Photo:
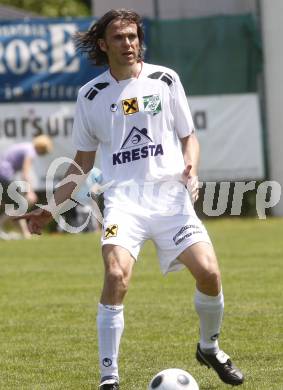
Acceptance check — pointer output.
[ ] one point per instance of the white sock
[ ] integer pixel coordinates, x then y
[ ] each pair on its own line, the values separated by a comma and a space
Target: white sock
210, 310
110, 326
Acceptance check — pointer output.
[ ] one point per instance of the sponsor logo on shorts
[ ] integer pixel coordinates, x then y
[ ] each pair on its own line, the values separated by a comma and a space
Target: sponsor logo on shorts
130, 106
111, 231
152, 104
186, 232
136, 146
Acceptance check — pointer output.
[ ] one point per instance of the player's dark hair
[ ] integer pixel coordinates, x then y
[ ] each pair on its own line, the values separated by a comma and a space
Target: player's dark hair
87, 42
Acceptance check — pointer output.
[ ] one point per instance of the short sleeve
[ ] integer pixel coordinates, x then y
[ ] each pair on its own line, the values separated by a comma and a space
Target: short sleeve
83, 136
184, 124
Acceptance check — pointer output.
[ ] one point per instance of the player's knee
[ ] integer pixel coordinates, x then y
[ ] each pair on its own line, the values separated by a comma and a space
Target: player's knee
117, 269
116, 277
210, 277
209, 274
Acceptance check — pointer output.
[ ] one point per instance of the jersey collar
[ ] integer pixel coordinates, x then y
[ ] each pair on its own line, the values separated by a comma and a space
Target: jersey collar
126, 80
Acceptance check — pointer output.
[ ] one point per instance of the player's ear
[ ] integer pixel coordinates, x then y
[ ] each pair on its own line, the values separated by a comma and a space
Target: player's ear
102, 44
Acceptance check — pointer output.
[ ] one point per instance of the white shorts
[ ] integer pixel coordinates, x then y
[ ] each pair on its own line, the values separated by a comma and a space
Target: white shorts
171, 234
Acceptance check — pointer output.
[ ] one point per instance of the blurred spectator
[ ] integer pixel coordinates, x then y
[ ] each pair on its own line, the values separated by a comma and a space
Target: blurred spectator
16, 159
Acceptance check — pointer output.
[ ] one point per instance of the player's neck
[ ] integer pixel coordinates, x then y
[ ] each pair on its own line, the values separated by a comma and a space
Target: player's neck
126, 72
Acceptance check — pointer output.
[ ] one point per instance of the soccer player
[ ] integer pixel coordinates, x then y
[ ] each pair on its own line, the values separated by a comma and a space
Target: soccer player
139, 116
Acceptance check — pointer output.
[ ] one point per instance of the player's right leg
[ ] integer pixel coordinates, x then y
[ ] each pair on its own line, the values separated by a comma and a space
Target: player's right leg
118, 265
122, 238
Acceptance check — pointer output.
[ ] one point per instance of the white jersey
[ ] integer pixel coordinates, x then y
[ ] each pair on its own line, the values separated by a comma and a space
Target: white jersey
137, 124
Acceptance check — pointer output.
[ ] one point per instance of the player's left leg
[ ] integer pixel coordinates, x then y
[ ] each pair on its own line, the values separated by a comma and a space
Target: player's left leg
201, 260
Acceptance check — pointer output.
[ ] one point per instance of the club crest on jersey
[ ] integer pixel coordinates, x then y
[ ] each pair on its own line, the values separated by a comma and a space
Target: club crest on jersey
130, 106
111, 231
152, 104
136, 146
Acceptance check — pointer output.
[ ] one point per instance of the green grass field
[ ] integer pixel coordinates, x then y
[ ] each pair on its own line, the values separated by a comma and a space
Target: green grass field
50, 288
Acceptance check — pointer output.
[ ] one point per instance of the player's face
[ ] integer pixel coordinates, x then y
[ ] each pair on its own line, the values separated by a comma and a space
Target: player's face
121, 43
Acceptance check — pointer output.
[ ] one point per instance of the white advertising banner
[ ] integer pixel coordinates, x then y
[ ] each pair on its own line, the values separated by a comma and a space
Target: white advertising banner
228, 128
230, 134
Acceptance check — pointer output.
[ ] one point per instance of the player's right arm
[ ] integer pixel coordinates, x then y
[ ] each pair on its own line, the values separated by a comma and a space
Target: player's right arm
38, 218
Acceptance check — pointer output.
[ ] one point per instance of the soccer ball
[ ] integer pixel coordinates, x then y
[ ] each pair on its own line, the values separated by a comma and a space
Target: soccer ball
173, 379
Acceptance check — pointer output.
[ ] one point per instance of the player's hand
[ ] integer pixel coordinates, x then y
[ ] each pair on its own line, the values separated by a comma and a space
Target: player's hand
193, 188
36, 220
191, 182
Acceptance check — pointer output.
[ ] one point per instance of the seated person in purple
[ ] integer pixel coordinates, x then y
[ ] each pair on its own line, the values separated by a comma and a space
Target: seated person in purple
18, 158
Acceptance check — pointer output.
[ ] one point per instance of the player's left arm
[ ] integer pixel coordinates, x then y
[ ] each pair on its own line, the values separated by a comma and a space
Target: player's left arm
184, 126
191, 153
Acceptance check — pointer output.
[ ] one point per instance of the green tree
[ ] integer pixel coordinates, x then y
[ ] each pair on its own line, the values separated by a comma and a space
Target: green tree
53, 8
